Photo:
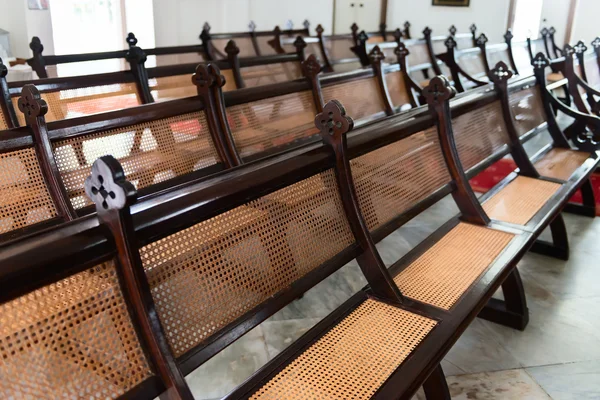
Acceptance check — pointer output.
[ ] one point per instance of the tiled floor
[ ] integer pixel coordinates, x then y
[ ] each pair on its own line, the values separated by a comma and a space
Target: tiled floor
556, 357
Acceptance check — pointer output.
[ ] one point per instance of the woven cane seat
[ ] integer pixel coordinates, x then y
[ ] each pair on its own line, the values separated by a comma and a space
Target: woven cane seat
73, 339
354, 358
561, 163
554, 77
520, 200
442, 274
3, 124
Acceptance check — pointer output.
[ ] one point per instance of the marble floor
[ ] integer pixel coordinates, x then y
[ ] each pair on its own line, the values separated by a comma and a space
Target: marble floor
556, 357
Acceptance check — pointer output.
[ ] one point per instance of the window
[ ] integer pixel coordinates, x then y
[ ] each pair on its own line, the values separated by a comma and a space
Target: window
528, 14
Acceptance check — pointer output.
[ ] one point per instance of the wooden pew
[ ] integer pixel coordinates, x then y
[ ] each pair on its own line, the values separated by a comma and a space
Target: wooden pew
314, 200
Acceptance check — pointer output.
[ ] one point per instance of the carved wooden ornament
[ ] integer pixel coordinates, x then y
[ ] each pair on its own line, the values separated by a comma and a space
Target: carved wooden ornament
31, 103
438, 90
333, 122
500, 73
107, 186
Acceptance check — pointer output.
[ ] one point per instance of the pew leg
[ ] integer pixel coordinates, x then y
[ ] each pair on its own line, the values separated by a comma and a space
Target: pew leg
588, 208
436, 387
512, 311
559, 248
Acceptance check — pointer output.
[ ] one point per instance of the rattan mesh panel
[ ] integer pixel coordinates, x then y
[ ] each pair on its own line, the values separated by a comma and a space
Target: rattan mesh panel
72, 339
3, 119
353, 359
150, 153
24, 196
479, 134
272, 122
561, 163
522, 59
361, 98
397, 89
520, 200
85, 101
271, 73
339, 49
473, 65
175, 59
495, 56
263, 44
393, 178
445, 271
172, 87
418, 54
527, 109
207, 276
592, 71
439, 47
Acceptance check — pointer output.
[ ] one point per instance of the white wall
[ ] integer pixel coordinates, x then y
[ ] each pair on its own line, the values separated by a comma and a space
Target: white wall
39, 23
586, 21
491, 17
12, 19
555, 13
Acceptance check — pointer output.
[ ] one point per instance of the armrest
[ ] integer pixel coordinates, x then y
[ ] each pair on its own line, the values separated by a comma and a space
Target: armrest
586, 86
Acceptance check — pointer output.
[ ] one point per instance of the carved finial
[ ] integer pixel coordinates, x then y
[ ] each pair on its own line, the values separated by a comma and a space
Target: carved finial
107, 186
481, 40
206, 76
362, 37
452, 30
540, 61
131, 39
311, 66
544, 32
501, 73
473, 28
551, 31
206, 27
397, 35
568, 50
31, 103
3, 69
36, 45
580, 47
354, 28
427, 32
306, 24
320, 30
450, 43
252, 26
136, 54
407, 24
231, 48
376, 55
596, 43
277, 30
438, 90
289, 25
333, 122
508, 36
401, 50
299, 43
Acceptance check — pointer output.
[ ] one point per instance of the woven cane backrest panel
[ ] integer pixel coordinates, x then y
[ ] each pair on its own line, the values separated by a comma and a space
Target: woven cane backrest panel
339, 49
361, 98
522, 59
592, 71
263, 44
472, 64
439, 47
353, 359
479, 134
495, 56
277, 121
150, 153
271, 73
520, 200
442, 274
3, 119
24, 196
172, 87
207, 276
85, 101
418, 54
73, 339
527, 109
397, 89
393, 178
175, 59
